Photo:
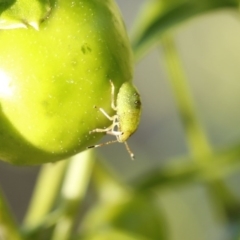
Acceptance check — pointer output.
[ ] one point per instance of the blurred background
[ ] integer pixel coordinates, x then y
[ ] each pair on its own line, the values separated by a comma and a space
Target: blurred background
209, 48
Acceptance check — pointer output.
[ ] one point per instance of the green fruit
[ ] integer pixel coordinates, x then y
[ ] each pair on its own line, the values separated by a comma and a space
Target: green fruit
51, 79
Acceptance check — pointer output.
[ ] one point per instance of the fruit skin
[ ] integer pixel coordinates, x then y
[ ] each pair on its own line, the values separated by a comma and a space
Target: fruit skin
51, 79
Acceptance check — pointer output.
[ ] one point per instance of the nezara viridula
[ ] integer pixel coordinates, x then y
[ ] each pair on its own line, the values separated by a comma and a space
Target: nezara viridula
126, 120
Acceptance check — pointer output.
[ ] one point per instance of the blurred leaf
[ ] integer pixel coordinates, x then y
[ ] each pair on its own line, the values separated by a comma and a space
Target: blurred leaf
182, 170
5, 4
158, 16
119, 208
8, 227
197, 140
191, 213
138, 216
108, 188
113, 234
23, 13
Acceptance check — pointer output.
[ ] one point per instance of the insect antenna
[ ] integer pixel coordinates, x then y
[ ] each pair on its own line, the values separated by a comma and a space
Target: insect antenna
129, 151
114, 141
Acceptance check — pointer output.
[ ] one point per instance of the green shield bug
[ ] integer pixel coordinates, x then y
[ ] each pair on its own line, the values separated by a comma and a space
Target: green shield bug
126, 120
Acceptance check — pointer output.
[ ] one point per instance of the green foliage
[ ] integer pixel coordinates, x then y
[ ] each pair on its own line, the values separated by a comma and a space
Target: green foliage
14, 15
80, 199
159, 16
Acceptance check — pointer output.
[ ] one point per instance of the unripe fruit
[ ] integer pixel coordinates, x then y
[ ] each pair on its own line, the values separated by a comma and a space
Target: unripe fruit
51, 79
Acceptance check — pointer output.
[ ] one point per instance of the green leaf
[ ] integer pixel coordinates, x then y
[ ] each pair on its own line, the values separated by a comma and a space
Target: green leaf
23, 13
158, 16
8, 226
112, 234
183, 170
138, 216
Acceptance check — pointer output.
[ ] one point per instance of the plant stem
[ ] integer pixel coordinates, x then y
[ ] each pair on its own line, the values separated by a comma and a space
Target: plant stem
73, 192
196, 137
8, 226
45, 193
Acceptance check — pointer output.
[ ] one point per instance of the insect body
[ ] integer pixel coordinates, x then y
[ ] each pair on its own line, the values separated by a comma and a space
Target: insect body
126, 120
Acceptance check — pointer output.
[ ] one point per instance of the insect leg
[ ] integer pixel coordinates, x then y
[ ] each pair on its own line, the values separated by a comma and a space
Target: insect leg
109, 129
112, 95
115, 133
102, 129
105, 114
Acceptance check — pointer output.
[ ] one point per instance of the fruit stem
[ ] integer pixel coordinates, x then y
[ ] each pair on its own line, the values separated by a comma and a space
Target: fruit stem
73, 192
45, 193
196, 137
